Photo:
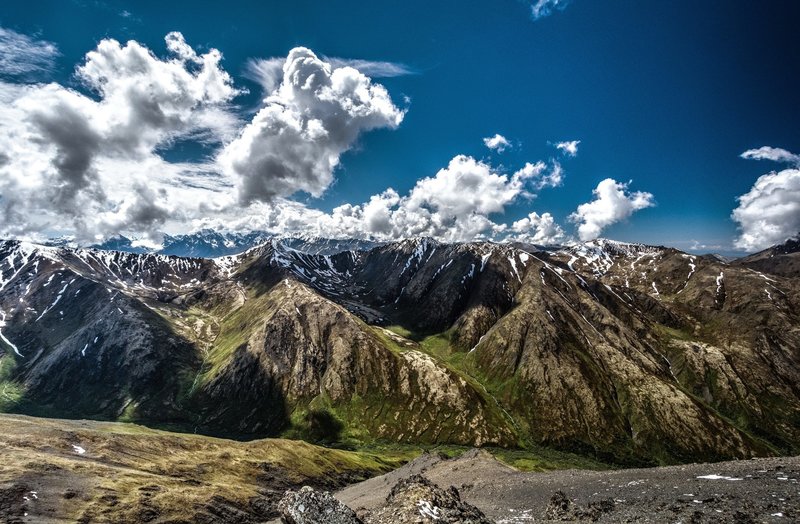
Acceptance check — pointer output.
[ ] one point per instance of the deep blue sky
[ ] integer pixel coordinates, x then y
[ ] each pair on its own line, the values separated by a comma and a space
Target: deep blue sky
667, 94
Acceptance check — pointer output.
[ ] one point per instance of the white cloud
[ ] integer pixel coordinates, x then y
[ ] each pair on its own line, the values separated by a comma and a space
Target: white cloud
22, 56
539, 177
775, 154
294, 142
612, 203
569, 148
769, 213
538, 229
543, 8
497, 143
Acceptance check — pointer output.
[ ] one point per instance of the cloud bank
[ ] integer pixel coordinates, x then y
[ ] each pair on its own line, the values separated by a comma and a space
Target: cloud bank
457, 204
769, 213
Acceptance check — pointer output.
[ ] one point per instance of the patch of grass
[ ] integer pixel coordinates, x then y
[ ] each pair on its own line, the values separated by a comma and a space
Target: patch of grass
535, 458
672, 333
11, 393
538, 458
437, 345
400, 330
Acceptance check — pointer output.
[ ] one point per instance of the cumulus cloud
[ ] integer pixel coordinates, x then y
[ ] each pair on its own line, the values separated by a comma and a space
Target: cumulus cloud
294, 142
56, 139
543, 8
497, 143
22, 56
612, 203
569, 148
775, 154
769, 213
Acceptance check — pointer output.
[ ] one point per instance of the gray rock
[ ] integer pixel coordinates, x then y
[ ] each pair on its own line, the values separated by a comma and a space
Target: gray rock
308, 506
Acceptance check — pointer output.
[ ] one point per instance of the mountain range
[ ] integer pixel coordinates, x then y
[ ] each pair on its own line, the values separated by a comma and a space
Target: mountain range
629, 353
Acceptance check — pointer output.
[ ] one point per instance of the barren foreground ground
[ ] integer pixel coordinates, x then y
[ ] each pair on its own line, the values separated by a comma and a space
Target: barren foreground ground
759, 490
81, 471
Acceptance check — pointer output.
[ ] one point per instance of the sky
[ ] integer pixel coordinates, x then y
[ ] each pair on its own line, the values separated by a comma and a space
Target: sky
547, 121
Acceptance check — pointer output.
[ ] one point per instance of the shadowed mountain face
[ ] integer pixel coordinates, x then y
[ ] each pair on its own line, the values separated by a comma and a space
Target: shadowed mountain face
629, 352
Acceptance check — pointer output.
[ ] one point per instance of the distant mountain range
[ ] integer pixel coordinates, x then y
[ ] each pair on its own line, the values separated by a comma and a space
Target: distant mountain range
211, 244
626, 352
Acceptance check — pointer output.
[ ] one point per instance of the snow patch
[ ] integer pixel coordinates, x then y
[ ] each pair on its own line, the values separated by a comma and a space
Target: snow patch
485, 259
56, 301
513, 263
3, 337
717, 477
426, 509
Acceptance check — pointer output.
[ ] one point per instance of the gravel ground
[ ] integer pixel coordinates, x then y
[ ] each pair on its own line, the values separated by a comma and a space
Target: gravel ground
759, 490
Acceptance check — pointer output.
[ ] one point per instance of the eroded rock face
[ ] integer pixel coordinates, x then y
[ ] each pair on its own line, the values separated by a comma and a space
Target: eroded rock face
417, 499
308, 506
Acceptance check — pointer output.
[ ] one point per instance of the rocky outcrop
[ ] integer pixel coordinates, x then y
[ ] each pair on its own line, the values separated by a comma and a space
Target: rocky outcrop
417, 499
308, 506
